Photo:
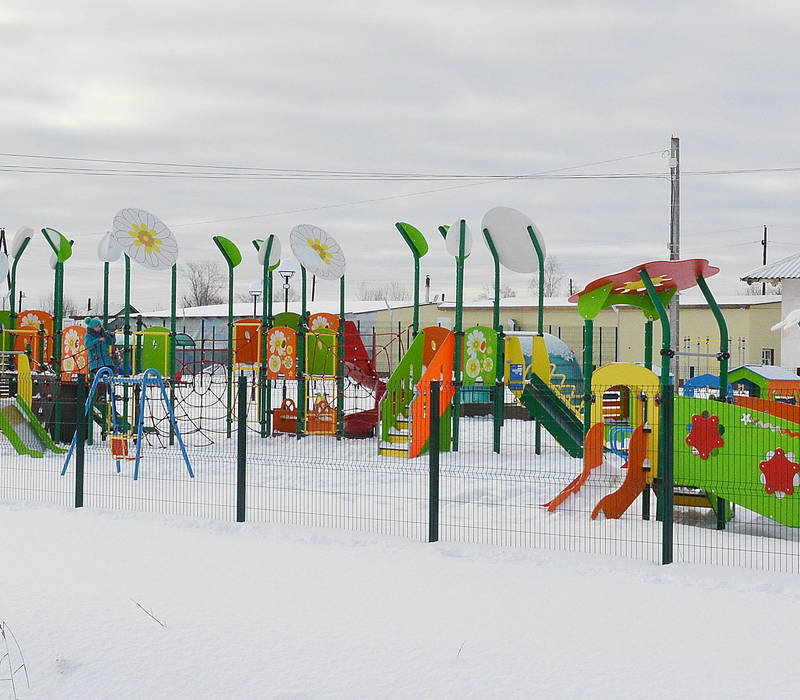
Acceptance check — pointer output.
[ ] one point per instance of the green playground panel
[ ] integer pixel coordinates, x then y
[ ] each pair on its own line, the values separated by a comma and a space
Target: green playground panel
400, 387
7, 342
321, 352
155, 349
286, 319
740, 455
479, 359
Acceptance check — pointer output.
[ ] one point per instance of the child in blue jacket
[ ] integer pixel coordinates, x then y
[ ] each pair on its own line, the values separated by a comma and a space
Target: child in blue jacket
99, 343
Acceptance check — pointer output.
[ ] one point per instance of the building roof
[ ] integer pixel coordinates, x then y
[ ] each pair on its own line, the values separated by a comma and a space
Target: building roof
786, 268
687, 299
244, 309
771, 372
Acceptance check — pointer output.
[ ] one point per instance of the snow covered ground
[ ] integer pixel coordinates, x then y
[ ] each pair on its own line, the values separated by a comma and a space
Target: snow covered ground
256, 610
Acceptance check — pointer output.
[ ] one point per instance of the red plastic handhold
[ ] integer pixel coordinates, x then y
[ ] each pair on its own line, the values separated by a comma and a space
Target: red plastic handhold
705, 436
779, 474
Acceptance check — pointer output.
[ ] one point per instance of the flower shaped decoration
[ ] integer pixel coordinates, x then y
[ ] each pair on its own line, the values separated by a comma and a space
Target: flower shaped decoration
277, 343
472, 367
319, 322
31, 319
317, 251
274, 363
71, 342
476, 342
146, 239
705, 435
108, 249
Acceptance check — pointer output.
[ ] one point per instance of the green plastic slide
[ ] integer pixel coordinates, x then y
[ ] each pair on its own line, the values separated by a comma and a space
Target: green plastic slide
554, 415
23, 430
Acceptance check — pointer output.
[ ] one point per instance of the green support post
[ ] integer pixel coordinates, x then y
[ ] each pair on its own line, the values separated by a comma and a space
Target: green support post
648, 344
588, 347
58, 296
722, 504
459, 333
497, 412
540, 320
80, 439
138, 345
416, 242
666, 489
13, 286
499, 389
172, 344
106, 267
241, 449
340, 366
433, 465
302, 329
648, 363
265, 386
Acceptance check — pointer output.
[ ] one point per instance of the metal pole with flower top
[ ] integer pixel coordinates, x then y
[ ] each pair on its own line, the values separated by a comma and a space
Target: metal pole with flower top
516, 243
458, 242
419, 246
108, 251
232, 257
269, 257
318, 252
62, 251
146, 240
18, 245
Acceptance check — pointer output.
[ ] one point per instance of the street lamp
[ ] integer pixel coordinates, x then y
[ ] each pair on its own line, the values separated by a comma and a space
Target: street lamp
286, 270
255, 292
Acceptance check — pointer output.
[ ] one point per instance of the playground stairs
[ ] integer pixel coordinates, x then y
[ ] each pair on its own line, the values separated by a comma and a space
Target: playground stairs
405, 407
398, 440
566, 391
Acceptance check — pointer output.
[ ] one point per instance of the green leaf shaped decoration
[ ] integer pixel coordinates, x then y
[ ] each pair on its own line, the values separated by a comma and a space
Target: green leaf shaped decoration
413, 237
229, 250
60, 245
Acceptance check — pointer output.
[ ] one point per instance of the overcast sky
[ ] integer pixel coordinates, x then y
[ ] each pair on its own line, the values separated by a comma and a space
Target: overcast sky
456, 88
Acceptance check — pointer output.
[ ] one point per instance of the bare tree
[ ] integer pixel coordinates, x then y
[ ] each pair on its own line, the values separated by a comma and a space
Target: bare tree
748, 290
553, 278
393, 290
202, 283
69, 306
487, 292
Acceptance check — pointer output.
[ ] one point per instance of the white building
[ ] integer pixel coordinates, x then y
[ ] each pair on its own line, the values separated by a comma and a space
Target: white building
787, 272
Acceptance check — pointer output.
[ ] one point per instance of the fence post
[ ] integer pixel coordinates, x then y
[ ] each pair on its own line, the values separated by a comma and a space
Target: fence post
241, 448
80, 439
433, 465
666, 469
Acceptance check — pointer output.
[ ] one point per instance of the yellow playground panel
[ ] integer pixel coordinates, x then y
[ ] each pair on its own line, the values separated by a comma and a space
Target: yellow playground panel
642, 387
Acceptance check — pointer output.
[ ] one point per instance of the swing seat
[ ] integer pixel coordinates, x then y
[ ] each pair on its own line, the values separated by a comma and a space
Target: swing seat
119, 447
321, 419
284, 419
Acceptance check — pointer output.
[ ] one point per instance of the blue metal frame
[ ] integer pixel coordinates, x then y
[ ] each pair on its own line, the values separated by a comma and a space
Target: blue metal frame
151, 377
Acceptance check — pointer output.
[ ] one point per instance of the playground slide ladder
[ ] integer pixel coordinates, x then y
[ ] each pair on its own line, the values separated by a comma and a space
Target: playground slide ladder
558, 419
405, 408
567, 392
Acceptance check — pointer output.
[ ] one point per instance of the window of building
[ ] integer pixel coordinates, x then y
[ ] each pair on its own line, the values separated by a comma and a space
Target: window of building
767, 356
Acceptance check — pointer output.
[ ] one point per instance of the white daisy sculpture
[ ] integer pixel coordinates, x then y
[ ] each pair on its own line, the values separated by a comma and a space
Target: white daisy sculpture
146, 239
317, 251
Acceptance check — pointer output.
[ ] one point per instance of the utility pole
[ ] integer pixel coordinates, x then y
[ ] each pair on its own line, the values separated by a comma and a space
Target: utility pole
675, 238
764, 261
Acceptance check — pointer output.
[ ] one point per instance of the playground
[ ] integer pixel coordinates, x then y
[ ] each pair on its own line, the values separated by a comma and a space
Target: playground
463, 434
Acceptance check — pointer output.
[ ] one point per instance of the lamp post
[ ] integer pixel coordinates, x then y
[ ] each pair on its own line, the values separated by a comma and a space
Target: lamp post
255, 292
286, 270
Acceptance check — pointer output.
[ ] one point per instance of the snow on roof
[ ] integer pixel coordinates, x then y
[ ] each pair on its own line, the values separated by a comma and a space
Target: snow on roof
771, 372
244, 309
691, 298
786, 268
